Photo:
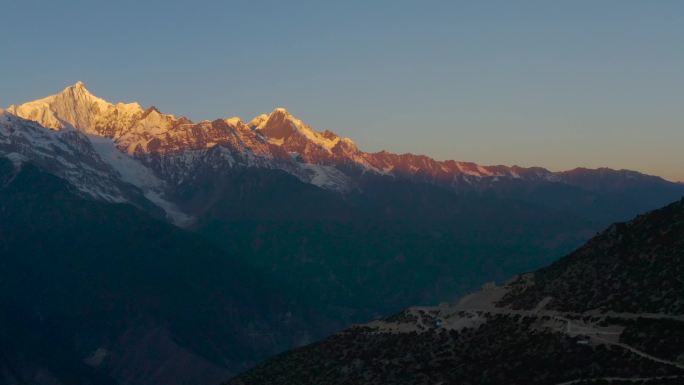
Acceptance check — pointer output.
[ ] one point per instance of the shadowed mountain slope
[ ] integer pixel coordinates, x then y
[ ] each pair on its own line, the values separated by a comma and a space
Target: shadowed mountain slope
101, 293
610, 312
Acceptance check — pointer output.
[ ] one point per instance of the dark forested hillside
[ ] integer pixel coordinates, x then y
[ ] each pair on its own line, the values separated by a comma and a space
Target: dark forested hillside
375, 252
637, 266
609, 312
95, 293
497, 349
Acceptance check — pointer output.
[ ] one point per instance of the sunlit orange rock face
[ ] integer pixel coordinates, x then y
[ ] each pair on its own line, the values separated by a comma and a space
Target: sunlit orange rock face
274, 135
276, 140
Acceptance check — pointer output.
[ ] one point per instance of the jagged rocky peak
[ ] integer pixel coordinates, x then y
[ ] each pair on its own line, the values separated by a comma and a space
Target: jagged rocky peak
277, 135
151, 110
280, 112
234, 121
76, 107
258, 121
280, 124
329, 135
280, 127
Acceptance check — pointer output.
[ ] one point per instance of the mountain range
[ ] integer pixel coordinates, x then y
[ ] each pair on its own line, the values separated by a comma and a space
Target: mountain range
220, 243
168, 151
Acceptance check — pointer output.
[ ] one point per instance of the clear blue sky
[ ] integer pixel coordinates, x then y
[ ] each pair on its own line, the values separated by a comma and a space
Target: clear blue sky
558, 84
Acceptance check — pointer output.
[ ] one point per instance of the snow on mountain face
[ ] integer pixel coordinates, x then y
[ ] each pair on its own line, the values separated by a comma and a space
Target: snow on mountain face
174, 148
67, 154
132, 171
149, 134
90, 163
281, 126
278, 138
76, 107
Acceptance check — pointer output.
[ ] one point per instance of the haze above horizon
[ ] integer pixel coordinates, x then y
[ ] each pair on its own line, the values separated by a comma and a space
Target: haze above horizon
531, 83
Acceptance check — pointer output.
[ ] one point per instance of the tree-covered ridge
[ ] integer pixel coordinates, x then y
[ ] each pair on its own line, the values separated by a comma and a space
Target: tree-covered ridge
502, 349
636, 267
97, 293
608, 313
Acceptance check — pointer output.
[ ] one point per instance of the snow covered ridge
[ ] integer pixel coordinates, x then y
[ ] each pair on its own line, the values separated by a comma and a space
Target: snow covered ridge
66, 153
91, 164
276, 136
76, 107
175, 147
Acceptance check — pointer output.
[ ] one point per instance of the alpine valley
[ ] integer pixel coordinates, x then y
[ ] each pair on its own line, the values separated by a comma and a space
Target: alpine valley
139, 247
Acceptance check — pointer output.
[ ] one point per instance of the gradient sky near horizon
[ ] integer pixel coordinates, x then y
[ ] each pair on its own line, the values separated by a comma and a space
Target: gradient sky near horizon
558, 84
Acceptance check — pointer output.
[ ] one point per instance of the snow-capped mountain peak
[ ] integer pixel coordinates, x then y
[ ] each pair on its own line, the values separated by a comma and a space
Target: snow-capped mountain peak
258, 122
274, 140
280, 127
76, 107
233, 121
66, 153
176, 148
90, 163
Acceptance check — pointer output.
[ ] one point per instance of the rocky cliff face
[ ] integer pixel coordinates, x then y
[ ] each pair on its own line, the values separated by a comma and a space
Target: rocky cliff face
277, 140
